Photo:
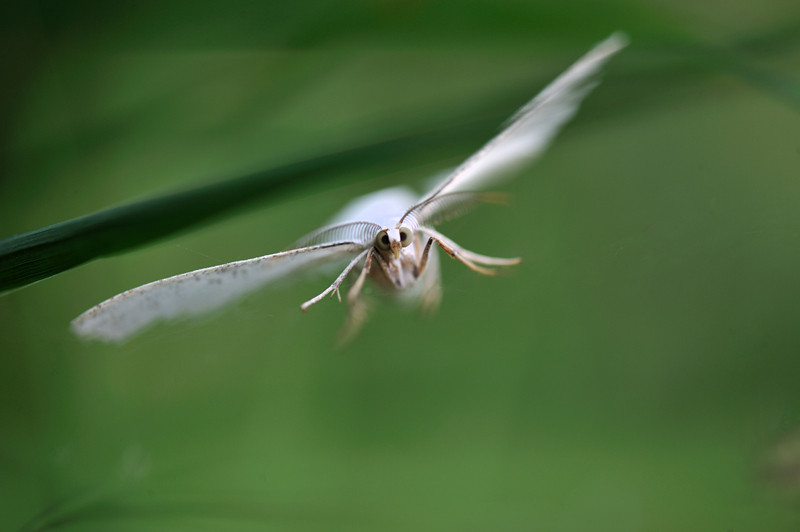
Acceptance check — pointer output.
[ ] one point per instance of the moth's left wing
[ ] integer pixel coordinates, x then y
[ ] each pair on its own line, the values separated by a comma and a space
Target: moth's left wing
531, 129
201, 291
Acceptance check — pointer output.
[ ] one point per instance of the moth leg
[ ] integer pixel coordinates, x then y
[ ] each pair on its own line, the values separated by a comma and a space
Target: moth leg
356, 317
336, 284
355, 290
423, 261
469, 258
432, 297
356, 307
455, 252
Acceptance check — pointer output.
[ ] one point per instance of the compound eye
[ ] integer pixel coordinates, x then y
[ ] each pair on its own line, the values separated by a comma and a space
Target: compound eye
382, 240
405, 236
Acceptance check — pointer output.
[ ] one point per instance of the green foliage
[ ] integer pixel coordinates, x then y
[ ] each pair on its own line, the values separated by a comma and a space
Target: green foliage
637, 372
44, 252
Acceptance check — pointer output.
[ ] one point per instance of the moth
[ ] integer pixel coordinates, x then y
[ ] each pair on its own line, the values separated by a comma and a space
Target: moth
388, 236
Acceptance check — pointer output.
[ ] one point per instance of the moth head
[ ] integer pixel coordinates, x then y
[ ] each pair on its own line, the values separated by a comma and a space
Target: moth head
393, 239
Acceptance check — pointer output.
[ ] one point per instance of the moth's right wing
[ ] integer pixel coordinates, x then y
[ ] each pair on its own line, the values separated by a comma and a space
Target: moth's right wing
201, 291
528, 133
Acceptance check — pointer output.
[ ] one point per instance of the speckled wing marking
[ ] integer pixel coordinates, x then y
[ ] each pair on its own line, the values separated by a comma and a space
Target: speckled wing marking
200, 291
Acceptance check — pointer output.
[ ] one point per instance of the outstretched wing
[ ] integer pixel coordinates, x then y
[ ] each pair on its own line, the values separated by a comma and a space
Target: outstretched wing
200, 291
530, 130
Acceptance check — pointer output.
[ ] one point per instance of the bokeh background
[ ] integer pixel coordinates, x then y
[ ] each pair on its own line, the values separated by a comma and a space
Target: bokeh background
638, 372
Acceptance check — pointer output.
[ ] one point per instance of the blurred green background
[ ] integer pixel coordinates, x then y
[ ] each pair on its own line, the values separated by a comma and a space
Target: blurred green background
638, 372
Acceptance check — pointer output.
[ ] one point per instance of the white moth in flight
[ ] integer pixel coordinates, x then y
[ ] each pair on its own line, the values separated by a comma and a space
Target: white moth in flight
387, 236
